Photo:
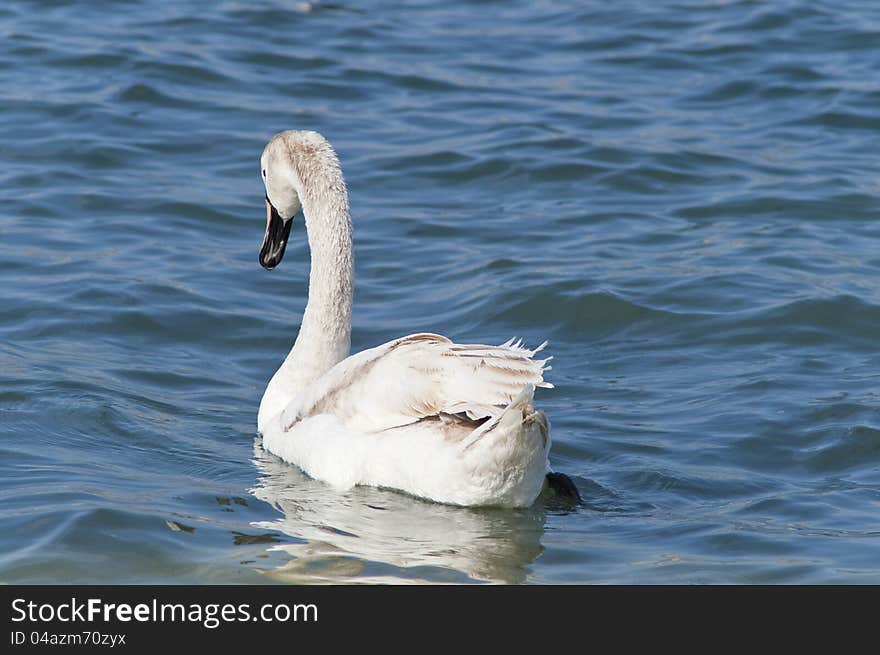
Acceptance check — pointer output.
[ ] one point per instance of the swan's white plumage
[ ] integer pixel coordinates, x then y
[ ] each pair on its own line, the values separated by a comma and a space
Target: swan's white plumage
448, 422
415, 377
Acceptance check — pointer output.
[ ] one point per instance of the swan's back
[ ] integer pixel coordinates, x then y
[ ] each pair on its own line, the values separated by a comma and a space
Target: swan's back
445, 421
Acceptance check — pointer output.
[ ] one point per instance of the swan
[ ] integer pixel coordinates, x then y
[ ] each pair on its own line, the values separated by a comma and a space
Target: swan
447, 422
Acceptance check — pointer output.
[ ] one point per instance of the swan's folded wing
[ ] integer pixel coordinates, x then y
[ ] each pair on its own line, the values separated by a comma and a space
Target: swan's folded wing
420, 376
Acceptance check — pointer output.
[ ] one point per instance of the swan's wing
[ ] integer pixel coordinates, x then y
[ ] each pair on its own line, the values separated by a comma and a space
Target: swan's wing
416, 377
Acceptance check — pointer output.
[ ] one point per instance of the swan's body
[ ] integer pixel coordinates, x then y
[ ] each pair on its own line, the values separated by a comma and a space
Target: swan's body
447, 422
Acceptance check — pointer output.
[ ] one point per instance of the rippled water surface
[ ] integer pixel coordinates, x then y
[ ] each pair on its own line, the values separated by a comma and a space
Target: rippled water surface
683, 197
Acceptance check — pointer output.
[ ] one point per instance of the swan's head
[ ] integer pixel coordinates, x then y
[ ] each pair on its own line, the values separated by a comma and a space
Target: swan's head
282, 200
296, 163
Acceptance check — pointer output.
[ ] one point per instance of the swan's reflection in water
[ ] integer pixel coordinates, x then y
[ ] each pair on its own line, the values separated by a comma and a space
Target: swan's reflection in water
372, 535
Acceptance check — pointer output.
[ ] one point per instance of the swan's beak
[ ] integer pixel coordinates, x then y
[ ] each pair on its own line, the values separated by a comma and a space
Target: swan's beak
275, 240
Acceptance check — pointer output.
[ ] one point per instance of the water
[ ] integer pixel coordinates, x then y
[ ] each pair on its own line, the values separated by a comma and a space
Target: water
681, 196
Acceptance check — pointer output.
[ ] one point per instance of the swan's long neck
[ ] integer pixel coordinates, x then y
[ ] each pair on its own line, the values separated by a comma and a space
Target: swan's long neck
325, 332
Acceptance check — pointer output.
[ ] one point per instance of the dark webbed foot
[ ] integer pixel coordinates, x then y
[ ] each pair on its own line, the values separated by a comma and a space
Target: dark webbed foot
563, 488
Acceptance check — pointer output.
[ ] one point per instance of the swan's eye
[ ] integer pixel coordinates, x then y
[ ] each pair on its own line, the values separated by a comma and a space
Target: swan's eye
264, 173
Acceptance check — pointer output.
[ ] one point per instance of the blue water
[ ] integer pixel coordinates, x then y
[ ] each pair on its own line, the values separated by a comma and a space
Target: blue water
683, 197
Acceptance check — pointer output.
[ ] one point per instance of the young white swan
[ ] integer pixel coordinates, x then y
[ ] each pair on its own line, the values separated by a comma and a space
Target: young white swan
452, 423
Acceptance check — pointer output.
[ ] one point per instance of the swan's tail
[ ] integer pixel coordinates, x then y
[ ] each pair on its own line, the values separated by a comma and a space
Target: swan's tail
507, 454
518, 419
